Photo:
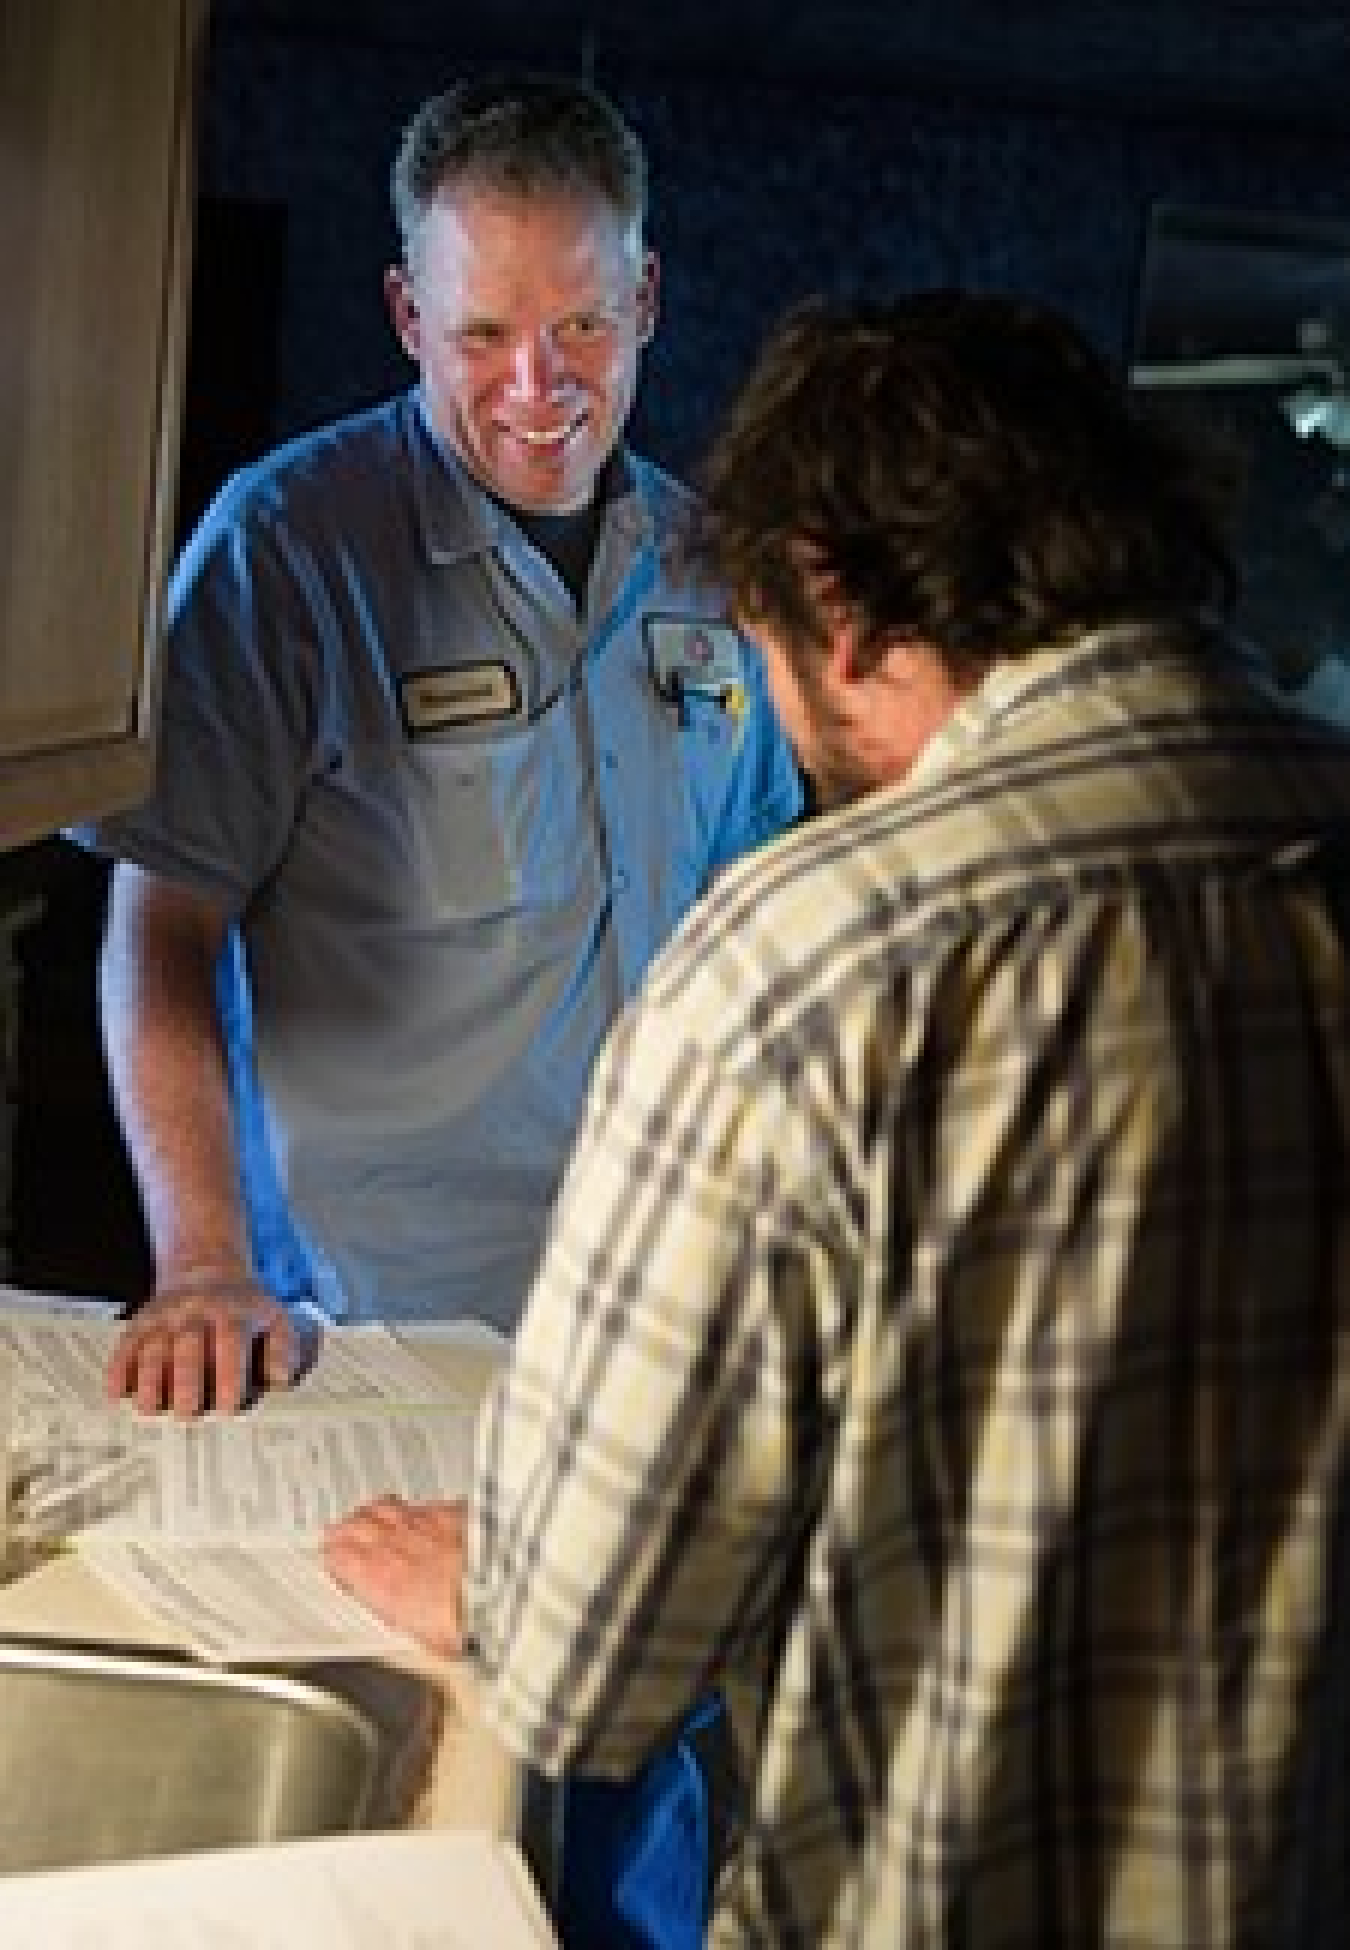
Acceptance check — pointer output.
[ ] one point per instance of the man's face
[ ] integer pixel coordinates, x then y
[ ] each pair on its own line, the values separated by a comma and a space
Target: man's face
857, 724
527, 317
814, 721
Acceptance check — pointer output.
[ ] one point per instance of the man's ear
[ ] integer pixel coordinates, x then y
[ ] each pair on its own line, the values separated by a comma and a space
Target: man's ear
401, 299
648, 297
839, 620
845, 656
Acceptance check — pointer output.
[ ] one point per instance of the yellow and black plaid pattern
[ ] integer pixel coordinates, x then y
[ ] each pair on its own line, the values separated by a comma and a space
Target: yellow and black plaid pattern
944, 1340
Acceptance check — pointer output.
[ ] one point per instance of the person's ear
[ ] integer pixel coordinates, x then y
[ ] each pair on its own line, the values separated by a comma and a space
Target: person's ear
401, 299
648, 297
845, 657
837, 618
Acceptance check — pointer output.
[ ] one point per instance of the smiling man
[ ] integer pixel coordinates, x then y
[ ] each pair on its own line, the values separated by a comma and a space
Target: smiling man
526, 319
446, 753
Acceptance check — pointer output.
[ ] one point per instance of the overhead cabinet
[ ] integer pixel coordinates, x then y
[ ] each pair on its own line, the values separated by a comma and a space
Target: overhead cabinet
96, 184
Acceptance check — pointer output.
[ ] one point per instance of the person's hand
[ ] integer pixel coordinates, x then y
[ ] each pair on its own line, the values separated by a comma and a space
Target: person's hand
209, 1347
405, 1562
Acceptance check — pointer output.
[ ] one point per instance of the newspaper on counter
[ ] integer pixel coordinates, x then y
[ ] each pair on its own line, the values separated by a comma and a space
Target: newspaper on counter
212, 1525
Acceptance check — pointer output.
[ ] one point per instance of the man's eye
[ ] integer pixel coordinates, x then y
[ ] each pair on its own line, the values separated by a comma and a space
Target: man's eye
479, 338
584, 325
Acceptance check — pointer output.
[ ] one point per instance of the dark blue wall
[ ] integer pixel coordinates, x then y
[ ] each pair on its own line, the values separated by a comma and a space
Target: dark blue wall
761, 193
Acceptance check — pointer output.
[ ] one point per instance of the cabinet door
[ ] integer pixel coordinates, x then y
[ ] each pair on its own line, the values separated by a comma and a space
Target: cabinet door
96, 117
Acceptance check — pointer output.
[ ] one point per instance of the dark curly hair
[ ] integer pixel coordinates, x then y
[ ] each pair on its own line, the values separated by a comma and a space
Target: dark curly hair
965, 470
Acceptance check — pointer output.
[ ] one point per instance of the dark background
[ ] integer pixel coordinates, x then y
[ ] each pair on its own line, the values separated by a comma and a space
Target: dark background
881, 145
884, 144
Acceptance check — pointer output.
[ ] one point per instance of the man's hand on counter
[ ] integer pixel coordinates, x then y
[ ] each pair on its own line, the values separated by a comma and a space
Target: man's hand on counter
405, 1562
209, 1346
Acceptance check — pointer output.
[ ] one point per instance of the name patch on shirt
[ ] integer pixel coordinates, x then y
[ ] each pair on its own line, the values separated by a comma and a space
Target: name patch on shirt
692, 657
461, 694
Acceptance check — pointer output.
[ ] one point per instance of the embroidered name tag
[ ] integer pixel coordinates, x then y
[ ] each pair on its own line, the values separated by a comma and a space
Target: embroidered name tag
692, 657
461, 694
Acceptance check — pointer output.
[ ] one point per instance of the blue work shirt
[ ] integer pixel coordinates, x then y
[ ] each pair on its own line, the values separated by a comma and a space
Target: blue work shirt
452, 819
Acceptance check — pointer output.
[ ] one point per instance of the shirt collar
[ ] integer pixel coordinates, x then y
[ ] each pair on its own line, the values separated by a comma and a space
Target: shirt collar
459, 519
1015, 684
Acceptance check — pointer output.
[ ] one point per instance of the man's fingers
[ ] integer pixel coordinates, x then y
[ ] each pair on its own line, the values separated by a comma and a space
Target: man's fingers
404, 1561
124, 1369
150, 1371
183, 1364
190, 1354
210, 1364
288, 1351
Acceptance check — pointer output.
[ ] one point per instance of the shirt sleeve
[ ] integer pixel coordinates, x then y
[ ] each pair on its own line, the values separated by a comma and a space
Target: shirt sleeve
238, 712
638, 1469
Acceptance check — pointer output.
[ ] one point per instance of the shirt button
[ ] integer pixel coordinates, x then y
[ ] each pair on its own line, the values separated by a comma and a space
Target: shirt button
621, 880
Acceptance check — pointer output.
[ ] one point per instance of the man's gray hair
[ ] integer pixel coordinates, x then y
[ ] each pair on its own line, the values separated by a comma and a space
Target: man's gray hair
526, 134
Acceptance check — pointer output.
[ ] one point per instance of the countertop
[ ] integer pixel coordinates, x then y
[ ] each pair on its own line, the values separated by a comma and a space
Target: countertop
471, 1781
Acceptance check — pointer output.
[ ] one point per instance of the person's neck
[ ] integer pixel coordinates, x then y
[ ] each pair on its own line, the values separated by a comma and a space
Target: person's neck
568, 540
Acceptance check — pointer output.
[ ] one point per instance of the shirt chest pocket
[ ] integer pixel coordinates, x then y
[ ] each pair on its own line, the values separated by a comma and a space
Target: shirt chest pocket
503, 824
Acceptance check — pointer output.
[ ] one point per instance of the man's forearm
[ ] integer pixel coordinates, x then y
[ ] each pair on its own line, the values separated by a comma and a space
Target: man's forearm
166, 1065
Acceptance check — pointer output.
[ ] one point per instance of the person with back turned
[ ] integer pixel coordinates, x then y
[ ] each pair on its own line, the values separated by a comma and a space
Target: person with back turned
943, 1341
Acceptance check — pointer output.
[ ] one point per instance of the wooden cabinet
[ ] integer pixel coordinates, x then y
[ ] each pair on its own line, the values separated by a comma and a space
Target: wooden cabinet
96, 145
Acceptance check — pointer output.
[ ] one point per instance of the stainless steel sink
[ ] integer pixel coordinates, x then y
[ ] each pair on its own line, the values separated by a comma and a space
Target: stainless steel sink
108, 1754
